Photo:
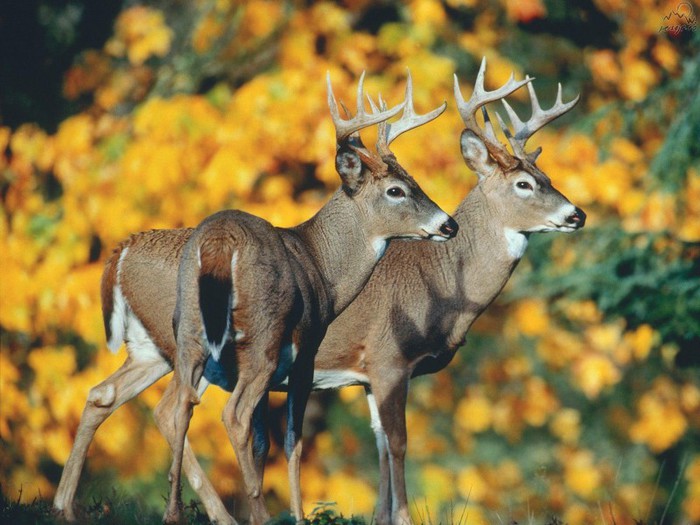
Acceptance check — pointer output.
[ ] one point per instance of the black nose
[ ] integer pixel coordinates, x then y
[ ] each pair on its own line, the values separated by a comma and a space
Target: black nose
578, 218
449, 229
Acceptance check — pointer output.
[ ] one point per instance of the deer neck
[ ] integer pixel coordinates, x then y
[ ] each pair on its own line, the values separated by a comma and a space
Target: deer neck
342, 251
486, 251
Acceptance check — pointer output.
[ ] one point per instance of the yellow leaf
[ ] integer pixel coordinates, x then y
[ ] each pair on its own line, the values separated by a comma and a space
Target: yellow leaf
473, 413
531, 317
594, 373
581, 474
471, 484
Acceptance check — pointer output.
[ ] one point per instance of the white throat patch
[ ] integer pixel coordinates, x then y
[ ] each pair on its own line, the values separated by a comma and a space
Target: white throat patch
516, 243
379, 245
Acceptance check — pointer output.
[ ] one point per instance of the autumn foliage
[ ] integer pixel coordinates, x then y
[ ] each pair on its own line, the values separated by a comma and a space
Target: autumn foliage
576, 394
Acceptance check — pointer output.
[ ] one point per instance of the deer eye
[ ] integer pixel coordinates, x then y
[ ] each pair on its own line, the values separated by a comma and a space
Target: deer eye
523, 185
395, 192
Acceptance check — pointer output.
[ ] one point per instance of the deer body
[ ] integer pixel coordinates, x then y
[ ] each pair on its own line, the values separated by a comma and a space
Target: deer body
410, 319
257, 300
430, 296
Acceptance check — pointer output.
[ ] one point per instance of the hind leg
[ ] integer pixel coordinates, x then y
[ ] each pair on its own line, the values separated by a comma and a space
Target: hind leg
124, 384
257, 363
195, 474
178, 401
261, 436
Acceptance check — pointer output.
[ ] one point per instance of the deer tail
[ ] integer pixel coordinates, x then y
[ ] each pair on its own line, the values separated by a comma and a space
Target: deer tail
217, 259
114, 307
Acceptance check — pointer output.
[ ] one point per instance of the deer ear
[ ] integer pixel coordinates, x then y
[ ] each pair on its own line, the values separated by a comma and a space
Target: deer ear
348, 164
476, 155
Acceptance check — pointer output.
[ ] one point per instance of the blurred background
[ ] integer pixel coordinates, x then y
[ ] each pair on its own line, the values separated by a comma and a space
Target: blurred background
577, 394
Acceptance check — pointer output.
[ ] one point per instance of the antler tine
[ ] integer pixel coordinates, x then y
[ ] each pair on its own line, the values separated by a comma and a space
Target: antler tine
480, 97
488, 127
522, 131
376, 108
410, 119
344, 128
382, 127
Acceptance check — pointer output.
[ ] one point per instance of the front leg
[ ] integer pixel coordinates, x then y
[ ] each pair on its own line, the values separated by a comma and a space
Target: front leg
300, 385
390, 394
383, 512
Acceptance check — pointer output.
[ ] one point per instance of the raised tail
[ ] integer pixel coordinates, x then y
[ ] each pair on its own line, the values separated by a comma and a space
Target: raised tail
114, 308
217, 258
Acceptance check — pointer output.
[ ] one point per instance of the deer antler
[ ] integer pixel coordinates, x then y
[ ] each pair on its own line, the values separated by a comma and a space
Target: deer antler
344, 128
540, 118
387, 132
480, 97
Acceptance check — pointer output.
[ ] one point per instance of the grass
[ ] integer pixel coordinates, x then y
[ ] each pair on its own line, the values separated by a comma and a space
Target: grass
126, 511
107, 511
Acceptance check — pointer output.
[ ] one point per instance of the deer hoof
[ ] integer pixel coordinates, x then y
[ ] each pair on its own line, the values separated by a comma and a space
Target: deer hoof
66, 515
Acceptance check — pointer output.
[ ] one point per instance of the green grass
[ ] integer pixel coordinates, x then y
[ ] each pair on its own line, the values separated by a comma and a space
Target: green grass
126, 511
118, 510
113, 510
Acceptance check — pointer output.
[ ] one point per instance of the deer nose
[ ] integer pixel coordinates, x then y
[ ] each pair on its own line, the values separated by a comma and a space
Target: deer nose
577, 218
449, 228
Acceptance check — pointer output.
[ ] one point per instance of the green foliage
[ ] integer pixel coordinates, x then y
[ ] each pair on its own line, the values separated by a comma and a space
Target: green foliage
640, 277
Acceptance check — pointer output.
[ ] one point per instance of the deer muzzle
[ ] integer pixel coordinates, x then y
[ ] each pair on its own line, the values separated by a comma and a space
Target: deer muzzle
577, 219
449, 228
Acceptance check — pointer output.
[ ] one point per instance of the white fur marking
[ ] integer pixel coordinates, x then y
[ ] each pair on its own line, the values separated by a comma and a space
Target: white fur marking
524, 193
559, 218
376, 424
332, 379
556, 222
140, 345
516, 242
379, 245
434, 225
234, 264
118, 319
375, 421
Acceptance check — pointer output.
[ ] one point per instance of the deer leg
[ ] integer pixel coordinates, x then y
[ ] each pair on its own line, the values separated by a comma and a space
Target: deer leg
300, 384
216, 511
390, 395
179, 402
261, 436
124, 384
383, 513
255, 372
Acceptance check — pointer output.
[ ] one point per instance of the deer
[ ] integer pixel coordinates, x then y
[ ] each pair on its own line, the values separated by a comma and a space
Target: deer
419, 304
238, 300
432, 296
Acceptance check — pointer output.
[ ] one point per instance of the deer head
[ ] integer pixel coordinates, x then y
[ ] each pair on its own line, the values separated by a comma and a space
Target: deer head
527, 200
375, 181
